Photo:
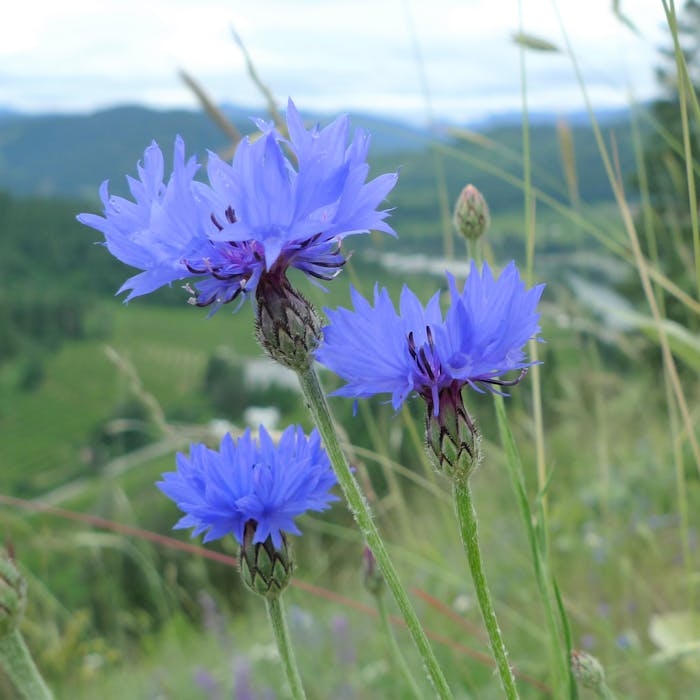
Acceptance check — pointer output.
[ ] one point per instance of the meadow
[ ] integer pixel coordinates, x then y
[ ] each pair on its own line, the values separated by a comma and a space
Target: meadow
587, 517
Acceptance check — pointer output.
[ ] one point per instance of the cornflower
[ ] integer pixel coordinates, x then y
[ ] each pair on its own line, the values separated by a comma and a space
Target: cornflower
252, 484
254, 491
481, 338
258, 216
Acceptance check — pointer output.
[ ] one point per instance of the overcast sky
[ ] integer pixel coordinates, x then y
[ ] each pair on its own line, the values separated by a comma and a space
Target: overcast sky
334, 55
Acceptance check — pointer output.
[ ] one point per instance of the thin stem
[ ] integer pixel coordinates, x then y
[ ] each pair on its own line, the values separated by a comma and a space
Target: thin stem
17, 662
530, 201
318, 406
604, 693
278, 620
468, 530
399, 660
475, 251
684, 88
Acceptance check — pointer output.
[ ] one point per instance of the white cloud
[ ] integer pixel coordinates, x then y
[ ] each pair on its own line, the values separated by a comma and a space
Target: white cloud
342, 54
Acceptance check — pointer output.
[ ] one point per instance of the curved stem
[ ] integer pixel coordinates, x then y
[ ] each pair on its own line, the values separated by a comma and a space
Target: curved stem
278, 620
394, 647
468, 531
359, 507
17, 662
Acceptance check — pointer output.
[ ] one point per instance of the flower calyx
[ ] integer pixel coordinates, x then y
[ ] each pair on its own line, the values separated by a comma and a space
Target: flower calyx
471, 214
287, 324
265, 569
452, 439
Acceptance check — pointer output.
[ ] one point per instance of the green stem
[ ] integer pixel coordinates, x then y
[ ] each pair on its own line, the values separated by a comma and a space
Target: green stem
468, 530
604, 693
394, 647
278, 620
316, 401
17, 662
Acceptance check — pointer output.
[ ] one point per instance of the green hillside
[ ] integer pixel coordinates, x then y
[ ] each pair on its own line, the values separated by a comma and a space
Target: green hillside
70, 155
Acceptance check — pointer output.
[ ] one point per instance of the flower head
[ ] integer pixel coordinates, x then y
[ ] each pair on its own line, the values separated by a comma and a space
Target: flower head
259, 215
471, 217
377, 350
247, 482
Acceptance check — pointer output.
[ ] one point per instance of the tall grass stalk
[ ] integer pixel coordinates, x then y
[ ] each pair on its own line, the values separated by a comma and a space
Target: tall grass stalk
533, 351
676, 441
438, 166
560, 669
686, 90
647, 209
682, 494
396, 654
641, 263
530, 230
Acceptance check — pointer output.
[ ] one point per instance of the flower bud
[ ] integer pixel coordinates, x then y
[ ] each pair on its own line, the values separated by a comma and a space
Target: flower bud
265, 569
371, 575
13, 594
287, 325
471, 215
587, 670
451, 437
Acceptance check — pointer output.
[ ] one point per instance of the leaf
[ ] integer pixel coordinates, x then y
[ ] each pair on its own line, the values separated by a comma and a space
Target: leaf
530, 41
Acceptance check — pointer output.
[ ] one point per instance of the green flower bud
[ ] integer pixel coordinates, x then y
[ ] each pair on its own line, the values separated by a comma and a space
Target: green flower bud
452, 439
13, 594
287, 325
371, 575
471, 216
587, 670
265, 569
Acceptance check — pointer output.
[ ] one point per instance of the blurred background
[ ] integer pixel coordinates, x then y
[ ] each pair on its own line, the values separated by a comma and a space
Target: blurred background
590, 178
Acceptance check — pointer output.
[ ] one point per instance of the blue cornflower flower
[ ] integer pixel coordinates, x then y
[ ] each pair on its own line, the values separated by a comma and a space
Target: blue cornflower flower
376, 350
248, 483
257, 216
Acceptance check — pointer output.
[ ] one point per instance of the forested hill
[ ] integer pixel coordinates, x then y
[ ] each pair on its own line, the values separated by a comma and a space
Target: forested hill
69, 155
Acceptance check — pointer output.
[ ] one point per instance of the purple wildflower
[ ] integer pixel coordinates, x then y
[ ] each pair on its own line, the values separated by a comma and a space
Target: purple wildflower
248, 483
376, 350
260, 215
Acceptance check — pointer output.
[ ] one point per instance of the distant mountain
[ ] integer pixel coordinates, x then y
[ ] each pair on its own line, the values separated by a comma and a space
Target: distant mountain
388, 135
70, 154
573, 118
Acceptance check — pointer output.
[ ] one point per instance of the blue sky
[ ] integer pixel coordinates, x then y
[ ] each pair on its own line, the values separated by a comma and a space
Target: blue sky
332, 55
